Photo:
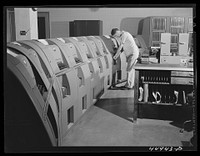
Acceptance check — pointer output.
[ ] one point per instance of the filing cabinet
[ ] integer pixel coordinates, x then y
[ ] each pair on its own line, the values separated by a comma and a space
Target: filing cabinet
152, 28
86, 27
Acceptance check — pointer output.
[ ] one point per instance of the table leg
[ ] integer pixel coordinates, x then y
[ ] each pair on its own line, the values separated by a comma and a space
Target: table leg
136, 88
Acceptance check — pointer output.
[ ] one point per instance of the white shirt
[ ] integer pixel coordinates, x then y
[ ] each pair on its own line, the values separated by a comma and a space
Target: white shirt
129, 44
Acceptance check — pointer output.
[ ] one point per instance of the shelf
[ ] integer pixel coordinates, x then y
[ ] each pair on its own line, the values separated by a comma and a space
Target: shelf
161, 31
166, 83
151, 103
166, 67
177, 26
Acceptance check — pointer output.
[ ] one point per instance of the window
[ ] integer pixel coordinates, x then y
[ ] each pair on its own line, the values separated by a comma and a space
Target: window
70, 116
65, 86
84, 103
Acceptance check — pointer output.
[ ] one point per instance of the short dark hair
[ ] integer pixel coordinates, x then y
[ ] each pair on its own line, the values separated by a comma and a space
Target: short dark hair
113, 31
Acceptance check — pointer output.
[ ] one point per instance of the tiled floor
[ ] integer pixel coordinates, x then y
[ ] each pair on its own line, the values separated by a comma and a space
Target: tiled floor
109, 123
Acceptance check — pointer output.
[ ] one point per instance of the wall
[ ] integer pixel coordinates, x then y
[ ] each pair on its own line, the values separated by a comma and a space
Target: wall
112, 17
59, 29
26, 20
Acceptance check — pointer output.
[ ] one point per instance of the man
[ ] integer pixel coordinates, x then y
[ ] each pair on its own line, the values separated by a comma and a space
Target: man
112, 47
131, 51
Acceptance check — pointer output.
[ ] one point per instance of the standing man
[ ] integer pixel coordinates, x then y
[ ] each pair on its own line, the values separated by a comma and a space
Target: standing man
112, 47
131, 51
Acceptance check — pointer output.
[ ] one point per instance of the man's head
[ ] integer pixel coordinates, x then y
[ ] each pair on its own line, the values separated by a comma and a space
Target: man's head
115, 32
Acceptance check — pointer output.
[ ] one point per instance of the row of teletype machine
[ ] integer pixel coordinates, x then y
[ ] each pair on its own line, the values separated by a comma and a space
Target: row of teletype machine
63, 77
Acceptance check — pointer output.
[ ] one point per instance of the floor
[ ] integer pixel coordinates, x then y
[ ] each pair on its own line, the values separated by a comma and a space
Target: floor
109, 123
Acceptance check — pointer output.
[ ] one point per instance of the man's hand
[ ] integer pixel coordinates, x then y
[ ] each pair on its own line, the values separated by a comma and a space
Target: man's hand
118, 52
114, 57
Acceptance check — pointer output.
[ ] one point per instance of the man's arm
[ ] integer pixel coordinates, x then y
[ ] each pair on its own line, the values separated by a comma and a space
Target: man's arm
118, 52
123, 39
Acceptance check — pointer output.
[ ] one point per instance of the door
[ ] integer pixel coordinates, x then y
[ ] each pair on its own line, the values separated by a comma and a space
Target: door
165, 44
43, 25
183, 43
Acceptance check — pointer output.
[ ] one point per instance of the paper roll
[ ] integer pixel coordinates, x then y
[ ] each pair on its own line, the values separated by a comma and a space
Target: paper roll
146, 92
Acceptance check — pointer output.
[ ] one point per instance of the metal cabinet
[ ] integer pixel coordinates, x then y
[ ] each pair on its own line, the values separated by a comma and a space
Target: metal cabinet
86, 27
152, 27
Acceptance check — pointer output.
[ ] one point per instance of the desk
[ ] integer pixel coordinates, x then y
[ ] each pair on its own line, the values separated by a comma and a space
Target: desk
165, 78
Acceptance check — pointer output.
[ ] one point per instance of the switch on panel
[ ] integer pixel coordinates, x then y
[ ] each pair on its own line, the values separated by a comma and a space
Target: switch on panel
22, 32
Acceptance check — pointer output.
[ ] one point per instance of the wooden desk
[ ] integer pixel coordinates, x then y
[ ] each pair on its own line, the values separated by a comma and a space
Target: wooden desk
160, 74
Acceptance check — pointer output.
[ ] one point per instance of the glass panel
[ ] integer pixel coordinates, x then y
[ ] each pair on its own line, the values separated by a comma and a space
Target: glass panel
174, 39
159, 23
155, 36
177, 21
177, 25
176, 30
190, 24
156, 44
174, 44
191, 44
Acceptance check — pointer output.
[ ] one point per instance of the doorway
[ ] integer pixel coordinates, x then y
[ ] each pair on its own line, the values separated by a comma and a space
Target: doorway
43, 25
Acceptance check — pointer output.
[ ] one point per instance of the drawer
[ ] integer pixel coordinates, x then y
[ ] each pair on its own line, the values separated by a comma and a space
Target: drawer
182, 73
181, 80
175, 60
169, 60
